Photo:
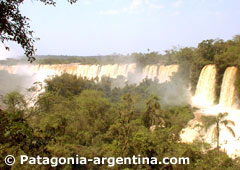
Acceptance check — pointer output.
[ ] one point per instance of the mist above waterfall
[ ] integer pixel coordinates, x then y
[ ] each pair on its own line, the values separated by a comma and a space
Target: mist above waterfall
205, 99
10, 82
167, 83
171, 87
14, 82
170, 92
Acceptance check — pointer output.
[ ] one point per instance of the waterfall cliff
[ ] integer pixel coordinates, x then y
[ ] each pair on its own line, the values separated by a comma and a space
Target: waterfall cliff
161, 72
228, 91
205, 91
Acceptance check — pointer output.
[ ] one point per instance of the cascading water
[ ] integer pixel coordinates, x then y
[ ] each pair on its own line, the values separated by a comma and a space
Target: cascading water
228, 91
204, 97
205, 92
150, 71
163, 73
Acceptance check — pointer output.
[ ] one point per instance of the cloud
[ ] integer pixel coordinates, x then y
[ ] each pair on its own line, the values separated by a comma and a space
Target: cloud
5, 54
176, 13
178, 3
136, 4
154, 6
110, 12
217, 13
134, 7
86, 2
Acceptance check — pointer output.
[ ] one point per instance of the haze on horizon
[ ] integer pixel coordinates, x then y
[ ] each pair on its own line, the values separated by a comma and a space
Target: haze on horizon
100, 27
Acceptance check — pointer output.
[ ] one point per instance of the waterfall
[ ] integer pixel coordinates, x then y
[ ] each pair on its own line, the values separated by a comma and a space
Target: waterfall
122, 70
227, 102
92, 71
163, 73
205, 92
150, 71
228, 91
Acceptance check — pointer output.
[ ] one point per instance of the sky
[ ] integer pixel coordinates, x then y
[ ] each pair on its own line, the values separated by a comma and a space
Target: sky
100, 27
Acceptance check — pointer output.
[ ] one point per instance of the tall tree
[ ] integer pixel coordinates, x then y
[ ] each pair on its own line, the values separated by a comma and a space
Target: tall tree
152, 115
218, 121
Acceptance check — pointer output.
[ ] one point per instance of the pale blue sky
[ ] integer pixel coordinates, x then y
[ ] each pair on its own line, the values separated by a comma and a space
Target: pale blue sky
99, 27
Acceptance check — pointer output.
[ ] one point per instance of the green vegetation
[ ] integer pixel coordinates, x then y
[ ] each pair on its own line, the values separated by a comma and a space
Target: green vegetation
77, 116
97, 118
218, 120
191, 60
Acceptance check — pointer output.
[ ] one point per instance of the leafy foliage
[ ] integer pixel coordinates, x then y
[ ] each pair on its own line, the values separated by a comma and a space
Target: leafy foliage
77, 116
218, 121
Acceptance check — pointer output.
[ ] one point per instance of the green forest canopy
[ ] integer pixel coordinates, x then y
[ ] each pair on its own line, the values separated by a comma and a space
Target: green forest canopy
78, 116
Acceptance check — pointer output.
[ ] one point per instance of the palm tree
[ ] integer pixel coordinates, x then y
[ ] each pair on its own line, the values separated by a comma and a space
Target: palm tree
218, 120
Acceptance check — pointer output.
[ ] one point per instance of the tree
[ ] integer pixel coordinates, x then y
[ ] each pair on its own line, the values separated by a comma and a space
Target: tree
15, 27
68, 85
218, 120
16, 135
126, 114
152, 115
15, 103
236, 38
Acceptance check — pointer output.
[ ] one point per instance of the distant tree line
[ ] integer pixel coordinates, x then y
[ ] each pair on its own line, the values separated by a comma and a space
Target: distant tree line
191, 60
